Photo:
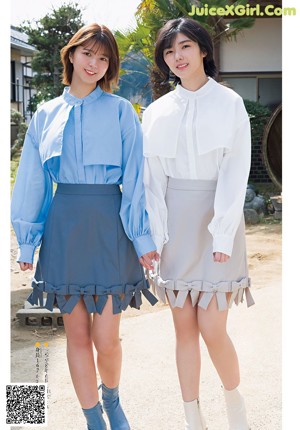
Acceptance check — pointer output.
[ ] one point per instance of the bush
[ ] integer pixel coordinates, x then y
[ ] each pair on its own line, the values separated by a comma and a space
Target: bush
16, 119
259, 116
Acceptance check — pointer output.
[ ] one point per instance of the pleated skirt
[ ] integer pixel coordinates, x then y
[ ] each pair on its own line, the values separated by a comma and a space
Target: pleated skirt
85, 253
187, 267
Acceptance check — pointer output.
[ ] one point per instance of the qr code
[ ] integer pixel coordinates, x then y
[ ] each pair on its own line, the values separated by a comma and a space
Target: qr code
26, 404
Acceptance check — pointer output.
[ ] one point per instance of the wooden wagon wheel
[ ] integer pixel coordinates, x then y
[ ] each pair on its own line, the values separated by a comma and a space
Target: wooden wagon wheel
272, 147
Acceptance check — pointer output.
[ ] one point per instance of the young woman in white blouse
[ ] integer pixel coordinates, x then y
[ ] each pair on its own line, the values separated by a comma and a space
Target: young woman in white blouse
197, 146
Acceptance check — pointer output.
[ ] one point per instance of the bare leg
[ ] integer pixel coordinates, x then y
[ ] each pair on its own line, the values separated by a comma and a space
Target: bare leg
212, 326
105, 335
187, 350
80, 355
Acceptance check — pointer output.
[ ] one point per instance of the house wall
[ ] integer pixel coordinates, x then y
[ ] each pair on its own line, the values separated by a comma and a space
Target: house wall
252, 66
256, 49
21, 75
15, 56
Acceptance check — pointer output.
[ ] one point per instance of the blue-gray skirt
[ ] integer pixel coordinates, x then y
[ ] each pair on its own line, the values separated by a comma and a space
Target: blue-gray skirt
86, 253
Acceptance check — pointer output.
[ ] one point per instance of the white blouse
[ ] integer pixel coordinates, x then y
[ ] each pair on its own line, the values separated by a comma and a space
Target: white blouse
205, 135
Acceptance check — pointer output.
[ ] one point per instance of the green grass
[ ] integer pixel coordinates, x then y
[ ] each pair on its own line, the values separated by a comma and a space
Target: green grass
268, 219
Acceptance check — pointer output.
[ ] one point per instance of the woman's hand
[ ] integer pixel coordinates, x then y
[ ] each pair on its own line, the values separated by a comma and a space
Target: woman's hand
219, 257
146, 259
25, 266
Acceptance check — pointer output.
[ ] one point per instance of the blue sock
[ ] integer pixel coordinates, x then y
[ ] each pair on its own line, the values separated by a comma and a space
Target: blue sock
113, 408
94, 418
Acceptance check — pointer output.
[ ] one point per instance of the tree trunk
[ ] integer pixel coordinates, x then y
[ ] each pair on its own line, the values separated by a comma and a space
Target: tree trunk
159, 86
217, 58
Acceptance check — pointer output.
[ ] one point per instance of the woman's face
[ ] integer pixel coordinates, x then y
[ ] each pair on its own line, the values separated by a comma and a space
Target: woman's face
90, 64
184, 58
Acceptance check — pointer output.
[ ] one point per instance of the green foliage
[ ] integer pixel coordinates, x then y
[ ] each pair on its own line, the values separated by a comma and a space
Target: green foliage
14, 165
17, 119
49, 35
259, 116
34, 101
134, 80
151, 15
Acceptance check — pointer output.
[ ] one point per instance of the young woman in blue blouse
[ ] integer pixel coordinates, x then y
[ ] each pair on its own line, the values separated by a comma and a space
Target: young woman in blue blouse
93, 236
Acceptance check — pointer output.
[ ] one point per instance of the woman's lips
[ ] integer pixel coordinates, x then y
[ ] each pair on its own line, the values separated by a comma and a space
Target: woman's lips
89, 72
182, 66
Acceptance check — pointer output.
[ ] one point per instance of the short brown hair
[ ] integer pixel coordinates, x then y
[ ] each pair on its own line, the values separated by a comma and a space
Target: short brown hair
98, 35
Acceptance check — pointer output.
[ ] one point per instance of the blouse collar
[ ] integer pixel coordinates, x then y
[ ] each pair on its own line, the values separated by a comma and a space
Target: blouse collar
76, 101
190, 95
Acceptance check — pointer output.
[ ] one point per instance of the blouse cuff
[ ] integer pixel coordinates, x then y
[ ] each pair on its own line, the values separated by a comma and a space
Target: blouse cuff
143, 244
223, 243
26, 253
159, 242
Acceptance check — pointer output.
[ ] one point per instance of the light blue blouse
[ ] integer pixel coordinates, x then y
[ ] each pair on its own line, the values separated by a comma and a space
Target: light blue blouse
93, 140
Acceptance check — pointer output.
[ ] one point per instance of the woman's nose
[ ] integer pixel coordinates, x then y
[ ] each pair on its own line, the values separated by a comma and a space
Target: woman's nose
178, 55
92, 61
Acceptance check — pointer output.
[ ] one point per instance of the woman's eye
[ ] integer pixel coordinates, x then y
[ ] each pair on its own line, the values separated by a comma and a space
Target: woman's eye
103, 59
186, 46
87, 53
168, 52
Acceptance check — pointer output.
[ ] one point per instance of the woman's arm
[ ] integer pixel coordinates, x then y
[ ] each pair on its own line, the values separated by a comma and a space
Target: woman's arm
133, 208
31, 198
155, 181
231, 189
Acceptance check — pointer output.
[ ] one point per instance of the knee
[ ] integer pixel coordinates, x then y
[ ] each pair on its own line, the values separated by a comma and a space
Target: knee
106, 346
213, 336
186, 335
79, 339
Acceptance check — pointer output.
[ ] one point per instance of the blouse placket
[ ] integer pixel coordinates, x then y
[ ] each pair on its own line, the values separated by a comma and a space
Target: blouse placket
79, 142
190, 139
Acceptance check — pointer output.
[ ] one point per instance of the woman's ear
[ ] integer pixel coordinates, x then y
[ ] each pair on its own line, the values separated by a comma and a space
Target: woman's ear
71, 57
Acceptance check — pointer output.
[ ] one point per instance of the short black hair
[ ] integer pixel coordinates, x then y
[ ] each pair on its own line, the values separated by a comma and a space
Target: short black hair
195, 32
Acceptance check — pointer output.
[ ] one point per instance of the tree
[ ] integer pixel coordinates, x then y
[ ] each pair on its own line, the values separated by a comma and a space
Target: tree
49, 35
133, 85
151, 16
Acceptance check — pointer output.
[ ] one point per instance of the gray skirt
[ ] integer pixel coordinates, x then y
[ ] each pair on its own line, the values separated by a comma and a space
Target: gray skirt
187, 266
86, 253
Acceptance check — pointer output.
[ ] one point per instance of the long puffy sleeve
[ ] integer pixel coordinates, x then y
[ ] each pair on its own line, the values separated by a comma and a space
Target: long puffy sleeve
231, 189
155, 181
133, 207
31, 198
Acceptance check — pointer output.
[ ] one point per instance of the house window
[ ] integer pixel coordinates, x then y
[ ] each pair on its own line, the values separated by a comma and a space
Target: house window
245, 87
13, 81
262, 88
269, 91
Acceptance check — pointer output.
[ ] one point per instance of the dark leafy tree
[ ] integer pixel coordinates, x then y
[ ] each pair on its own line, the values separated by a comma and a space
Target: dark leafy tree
49, 35
151, 15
